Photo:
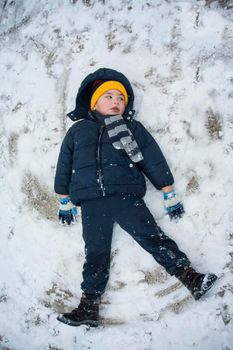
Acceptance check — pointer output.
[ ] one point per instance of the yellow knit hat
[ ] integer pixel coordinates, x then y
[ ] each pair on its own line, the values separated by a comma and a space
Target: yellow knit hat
105, 86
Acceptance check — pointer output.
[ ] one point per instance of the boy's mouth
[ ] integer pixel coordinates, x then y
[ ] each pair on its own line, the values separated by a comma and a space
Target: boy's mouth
115, 109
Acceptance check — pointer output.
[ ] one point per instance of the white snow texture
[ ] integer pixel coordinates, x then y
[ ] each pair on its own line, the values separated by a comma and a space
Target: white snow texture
179, 57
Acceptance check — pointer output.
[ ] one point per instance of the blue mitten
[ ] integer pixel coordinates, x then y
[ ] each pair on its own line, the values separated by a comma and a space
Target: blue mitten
67, 213
174, 208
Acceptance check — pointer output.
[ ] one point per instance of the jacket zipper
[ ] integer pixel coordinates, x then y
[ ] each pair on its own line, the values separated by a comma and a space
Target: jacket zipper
99, 169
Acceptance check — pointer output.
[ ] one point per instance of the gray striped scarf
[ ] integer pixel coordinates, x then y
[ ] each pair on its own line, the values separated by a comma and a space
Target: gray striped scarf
122, 138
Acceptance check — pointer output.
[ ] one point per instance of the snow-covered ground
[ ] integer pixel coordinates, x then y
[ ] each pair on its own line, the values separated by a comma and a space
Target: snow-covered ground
179, 57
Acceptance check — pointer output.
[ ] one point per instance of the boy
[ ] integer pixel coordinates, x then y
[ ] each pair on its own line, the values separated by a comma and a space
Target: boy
101, 166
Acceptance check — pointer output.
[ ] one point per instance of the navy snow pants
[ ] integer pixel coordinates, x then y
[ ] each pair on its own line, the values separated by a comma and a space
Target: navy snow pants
132, 214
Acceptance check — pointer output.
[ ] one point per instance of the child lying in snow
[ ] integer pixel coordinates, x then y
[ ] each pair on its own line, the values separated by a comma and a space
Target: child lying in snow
101, 167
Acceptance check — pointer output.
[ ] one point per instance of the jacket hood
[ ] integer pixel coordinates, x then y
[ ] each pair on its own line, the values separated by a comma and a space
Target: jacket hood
82, 108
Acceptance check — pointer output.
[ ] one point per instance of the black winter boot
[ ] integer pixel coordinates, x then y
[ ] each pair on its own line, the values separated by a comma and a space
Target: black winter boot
196, 282
87, 313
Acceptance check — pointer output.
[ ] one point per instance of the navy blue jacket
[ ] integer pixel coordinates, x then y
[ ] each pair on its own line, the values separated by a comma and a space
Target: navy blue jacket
90, 167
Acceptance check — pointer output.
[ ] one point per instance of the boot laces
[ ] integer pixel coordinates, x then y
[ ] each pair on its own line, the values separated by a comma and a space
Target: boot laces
191, 278
87, 305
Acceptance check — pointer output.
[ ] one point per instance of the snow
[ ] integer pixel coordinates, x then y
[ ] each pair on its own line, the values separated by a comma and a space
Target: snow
178, 56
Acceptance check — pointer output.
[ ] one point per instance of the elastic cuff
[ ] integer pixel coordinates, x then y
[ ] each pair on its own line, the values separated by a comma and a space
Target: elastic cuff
64, 200
168, 195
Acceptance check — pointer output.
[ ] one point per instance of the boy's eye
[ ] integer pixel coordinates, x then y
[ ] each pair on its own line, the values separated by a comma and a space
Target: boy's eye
110, 97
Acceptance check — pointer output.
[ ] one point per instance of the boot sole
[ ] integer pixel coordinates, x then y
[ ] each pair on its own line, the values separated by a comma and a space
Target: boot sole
207, 284
67, 321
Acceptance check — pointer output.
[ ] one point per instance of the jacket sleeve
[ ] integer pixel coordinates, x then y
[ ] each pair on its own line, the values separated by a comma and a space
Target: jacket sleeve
154, 164
64, 165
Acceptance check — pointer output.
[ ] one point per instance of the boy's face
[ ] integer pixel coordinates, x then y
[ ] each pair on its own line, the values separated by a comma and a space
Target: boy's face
112, 102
